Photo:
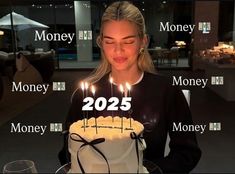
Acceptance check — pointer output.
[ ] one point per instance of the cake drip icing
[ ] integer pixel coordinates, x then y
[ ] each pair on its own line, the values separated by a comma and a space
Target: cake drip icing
106, 128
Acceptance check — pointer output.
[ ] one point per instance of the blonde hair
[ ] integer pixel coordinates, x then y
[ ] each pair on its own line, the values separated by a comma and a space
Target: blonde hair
117, 11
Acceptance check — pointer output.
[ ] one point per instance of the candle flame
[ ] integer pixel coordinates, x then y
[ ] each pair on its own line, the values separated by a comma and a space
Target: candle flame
93, 90
121, 88
82, 85
128, 86
111, 80
86, 85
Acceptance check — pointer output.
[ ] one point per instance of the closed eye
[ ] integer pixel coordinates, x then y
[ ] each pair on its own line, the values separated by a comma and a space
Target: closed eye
129, 42
108, 42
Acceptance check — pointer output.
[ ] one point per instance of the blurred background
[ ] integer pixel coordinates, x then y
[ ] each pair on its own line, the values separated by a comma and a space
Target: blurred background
206, 53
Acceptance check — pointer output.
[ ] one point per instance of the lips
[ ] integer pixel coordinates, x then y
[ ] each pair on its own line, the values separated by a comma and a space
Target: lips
119, 59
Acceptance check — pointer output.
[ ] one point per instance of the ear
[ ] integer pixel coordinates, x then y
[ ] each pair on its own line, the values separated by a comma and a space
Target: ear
98, 41
145, 41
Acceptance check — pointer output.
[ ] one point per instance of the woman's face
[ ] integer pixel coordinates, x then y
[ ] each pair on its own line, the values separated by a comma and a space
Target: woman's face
121, 44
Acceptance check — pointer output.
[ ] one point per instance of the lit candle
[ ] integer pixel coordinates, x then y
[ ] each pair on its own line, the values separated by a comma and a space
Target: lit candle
83, 87
93, 92
122, 91
128, 86
111, 87
86, 94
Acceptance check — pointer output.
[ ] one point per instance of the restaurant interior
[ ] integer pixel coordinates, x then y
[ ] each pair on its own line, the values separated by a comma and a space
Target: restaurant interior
206, 53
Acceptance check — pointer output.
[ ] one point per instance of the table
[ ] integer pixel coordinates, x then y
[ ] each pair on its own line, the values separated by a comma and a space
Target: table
227, 71
164, 54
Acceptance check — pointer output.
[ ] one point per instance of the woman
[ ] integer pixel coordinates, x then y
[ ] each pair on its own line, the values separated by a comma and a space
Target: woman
155, 102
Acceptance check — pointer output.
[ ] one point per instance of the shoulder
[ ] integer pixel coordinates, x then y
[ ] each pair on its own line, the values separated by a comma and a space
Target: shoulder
103, 81
77, 93
160, 84
157, 79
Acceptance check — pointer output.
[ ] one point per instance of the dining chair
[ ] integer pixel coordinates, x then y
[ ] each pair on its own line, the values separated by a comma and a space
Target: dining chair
174, 54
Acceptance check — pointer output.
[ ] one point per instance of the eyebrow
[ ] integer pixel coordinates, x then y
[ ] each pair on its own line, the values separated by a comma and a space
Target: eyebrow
127, 37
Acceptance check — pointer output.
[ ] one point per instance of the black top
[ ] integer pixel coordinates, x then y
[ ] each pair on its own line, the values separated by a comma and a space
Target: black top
157, 105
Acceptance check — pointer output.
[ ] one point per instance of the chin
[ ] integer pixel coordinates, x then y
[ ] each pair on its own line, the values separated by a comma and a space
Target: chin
120, 68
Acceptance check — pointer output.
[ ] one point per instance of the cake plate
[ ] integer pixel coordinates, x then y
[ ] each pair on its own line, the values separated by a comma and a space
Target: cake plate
151, 168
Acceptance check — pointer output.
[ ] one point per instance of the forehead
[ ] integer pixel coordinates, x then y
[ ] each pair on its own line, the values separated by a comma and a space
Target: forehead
119, 29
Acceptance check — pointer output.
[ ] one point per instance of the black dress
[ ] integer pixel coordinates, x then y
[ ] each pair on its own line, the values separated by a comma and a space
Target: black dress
157, 105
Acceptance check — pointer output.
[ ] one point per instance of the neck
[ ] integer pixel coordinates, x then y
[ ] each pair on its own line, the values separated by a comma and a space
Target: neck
121, 77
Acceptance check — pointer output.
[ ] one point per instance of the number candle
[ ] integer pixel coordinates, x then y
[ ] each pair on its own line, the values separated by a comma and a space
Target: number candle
111, 87
83, 87
122, 91
86, 94
93, 92
128, 86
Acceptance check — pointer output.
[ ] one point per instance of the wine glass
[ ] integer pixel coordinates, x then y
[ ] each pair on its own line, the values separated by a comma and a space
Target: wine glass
152, 167
63, 169
20, 166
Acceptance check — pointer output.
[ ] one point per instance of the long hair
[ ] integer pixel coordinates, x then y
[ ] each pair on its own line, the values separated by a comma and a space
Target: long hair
117, 11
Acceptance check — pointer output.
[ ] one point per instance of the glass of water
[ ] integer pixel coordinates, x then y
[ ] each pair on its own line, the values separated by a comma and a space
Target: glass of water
20, 166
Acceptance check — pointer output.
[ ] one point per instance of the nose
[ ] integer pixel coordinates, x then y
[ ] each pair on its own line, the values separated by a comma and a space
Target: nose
118, 48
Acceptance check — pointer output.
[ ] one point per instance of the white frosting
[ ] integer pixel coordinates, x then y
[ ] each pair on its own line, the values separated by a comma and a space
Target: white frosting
118, 148
115, 132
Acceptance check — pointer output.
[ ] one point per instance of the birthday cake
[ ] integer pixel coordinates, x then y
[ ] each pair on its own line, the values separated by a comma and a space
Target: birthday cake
106, 145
